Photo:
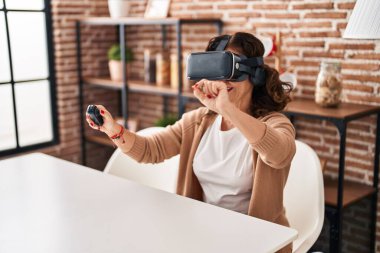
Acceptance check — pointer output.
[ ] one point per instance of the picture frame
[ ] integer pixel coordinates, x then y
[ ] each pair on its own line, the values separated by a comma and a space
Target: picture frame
157, 9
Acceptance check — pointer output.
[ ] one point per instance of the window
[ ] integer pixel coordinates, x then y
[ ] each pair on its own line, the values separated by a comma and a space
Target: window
27, 84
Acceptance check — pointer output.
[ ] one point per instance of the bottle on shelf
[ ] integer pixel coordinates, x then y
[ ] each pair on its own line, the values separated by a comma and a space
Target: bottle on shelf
149, 66
186, 82
163, 68
174, 80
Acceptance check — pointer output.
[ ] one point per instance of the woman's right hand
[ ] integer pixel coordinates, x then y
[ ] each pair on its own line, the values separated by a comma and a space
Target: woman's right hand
110, 126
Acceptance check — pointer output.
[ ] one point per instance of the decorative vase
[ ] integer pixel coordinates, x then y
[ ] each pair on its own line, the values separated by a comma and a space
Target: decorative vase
118, 8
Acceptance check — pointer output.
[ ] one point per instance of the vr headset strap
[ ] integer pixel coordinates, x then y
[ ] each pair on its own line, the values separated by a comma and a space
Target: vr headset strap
223, 43
246, 69
252, 67
253, 62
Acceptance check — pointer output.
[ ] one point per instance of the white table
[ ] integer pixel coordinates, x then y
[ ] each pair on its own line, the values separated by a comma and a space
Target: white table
48, 205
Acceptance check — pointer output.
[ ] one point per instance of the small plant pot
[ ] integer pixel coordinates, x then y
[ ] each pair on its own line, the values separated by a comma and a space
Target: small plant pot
116, 70
118, 8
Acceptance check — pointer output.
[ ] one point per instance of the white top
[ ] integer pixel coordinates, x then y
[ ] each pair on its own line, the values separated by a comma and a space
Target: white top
51, 205
223, 165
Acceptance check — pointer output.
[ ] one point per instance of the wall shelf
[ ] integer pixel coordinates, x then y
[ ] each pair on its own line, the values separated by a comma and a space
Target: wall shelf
136, 86
147, 21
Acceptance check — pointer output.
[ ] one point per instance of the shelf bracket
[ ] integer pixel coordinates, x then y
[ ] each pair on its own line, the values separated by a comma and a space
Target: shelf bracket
164, 36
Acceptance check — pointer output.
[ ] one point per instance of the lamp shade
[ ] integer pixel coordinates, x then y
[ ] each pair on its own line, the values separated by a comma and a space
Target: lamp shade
364, 22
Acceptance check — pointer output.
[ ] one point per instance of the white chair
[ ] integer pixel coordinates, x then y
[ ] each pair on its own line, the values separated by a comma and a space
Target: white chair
162, 176
304, 197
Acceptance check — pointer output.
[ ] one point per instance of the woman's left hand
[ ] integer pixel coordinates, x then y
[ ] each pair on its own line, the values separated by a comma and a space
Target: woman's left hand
212, 94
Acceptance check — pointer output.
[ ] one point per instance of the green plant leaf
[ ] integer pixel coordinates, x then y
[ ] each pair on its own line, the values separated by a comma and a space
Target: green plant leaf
114, 53
166, 120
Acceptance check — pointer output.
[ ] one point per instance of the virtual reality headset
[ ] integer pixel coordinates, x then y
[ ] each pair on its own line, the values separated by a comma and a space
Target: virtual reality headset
225, 65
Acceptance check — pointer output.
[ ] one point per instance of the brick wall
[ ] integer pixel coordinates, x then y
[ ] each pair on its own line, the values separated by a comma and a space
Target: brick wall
95, 43
312, 32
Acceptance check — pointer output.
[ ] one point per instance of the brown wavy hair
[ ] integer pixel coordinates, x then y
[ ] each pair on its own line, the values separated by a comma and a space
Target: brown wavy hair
274, 95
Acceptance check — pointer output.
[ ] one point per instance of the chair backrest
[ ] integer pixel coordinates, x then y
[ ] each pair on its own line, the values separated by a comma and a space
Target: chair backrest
162, 176
304, 197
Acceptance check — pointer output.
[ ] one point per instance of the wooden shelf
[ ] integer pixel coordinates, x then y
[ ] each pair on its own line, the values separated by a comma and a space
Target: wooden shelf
103, 82
308, 107
144, 21
352, 192
135, 86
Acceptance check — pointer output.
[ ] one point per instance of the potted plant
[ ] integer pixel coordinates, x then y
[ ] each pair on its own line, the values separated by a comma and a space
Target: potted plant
115, 64
118, 8
166, 120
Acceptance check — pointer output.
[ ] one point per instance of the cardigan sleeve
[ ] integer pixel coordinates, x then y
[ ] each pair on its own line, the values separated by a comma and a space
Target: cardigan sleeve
277, 146
157, 147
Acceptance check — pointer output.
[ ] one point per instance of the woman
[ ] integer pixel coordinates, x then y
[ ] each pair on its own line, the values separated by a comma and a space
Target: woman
236, 151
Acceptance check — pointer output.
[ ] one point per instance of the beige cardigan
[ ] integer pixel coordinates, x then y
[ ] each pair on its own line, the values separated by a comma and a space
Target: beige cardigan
273, 154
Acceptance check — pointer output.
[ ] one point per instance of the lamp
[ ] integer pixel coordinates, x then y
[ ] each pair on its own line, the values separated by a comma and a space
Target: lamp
364, 22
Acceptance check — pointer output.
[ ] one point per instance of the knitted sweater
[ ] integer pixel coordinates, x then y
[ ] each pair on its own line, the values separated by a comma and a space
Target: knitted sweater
272, 154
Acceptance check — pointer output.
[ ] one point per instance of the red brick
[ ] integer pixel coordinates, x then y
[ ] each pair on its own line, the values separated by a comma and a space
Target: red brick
266, 7
282, 15
307, 72
197, 7
329, 15
363, 99
307, 136
231, 6
209, 15
323, 54
358, 146
366, 56
304, 82
303, 63
365, 157
361, 66
288, 52
352, 46
358, 165
361, 138
331, 34
305, 44
260, 24
346, 6
324, 24
244, 14
362, 78
316, 5
354, 174
240, 22
356, 126
341, 26
362, 88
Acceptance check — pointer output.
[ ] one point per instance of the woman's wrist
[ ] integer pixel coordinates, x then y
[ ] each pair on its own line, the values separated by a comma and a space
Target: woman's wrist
115, 129
228, 111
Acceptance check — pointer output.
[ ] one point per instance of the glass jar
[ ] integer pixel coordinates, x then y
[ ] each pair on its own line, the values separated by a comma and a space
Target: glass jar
329, 85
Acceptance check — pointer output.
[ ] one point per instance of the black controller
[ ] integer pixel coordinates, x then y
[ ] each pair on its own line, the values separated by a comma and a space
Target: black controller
94, 114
